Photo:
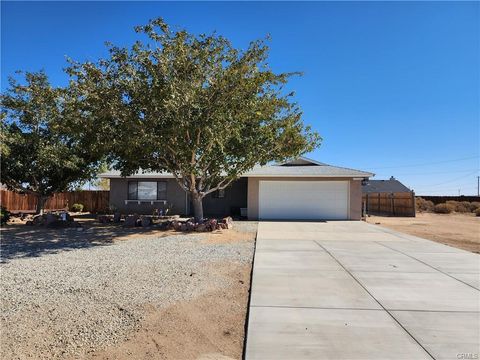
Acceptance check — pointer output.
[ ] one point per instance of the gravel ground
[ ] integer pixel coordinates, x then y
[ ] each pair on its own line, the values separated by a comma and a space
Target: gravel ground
71, 302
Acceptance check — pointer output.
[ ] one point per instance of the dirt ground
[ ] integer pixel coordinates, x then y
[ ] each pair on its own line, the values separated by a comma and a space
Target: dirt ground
459, 230
210, 327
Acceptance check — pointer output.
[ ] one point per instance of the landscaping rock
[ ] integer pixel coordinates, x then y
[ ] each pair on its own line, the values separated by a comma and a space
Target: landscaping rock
146, 221
131, 221
201, 227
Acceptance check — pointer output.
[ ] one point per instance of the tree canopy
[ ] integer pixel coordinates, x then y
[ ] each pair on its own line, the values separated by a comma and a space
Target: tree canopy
39, 154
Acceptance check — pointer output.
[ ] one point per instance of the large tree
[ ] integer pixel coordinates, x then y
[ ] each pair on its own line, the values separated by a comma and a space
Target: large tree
193, 106
40, 153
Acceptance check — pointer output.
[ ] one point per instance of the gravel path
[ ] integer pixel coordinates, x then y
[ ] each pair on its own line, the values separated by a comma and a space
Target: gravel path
66, 303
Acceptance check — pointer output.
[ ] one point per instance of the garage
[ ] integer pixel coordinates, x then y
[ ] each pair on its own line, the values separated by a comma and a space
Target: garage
306, 200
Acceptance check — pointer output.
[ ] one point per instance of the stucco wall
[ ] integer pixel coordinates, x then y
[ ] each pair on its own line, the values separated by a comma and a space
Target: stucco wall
235, 198
355, 194
119, 193
355, 199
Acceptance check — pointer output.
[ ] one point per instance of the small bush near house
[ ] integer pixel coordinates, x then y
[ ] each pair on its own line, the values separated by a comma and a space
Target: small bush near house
424, 205
477, 211
77, 207
4, 215
444, 208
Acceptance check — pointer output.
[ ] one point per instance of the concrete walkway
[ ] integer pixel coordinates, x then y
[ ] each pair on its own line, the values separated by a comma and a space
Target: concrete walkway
350, 290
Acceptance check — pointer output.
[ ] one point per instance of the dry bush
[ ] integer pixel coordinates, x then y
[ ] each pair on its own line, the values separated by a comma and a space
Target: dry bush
423, 205
444, 208
459, 206
474, 205
477, 211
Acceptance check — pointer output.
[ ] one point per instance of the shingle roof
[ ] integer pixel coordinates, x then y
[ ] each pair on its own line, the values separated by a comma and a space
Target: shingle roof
307, 171
286, 169
384, 186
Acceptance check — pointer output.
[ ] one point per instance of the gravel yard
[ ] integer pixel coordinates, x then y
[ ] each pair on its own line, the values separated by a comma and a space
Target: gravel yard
68, 299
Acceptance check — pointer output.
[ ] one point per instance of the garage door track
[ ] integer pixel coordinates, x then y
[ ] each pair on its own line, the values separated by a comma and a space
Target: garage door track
350, 290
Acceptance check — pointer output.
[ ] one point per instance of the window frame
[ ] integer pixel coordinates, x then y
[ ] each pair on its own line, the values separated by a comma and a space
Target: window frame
136, 190
219, 194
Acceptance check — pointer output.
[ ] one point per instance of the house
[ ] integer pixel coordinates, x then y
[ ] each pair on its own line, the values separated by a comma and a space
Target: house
388, 197
297, 189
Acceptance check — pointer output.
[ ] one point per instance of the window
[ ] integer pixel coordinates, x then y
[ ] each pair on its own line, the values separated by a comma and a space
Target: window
147, 190
219, 194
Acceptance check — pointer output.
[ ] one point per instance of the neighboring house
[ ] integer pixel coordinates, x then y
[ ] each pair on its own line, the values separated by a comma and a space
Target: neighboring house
299, 189
388, 197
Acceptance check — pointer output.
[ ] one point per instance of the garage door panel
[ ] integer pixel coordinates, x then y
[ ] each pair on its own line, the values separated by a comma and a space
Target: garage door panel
303, 200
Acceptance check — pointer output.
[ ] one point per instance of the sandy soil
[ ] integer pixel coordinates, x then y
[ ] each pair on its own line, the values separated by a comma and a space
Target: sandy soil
210, 327
458, 230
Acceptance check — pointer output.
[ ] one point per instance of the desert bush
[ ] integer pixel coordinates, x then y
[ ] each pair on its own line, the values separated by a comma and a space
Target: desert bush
4, 215
77, 207
444, 208
459, 206
477, 211
423, 205
474, 205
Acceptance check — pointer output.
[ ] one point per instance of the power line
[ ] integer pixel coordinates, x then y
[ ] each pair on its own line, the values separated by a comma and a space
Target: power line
433, 173
455, 179
424, 164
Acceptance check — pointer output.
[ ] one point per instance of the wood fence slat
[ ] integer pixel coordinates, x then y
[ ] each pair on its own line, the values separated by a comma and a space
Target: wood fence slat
390, 204
93, 200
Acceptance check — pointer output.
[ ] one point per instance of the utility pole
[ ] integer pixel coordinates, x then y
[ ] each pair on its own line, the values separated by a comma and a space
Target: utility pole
478, 185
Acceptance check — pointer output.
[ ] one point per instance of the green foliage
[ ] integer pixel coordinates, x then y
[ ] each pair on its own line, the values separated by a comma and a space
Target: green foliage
423, 205
40, 154
77, 207
191, 105
4, 215
444, 208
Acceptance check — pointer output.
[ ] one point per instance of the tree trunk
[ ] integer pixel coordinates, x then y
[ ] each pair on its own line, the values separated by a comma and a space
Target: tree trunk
197, 207
41, 200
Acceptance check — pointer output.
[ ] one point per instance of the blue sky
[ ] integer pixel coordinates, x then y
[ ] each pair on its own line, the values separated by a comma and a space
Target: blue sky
392, 87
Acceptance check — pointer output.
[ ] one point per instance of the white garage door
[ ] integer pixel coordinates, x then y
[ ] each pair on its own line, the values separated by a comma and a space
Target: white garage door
307, 200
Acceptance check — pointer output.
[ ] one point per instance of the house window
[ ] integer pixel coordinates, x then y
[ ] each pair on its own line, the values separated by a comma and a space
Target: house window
147, 190
219, 194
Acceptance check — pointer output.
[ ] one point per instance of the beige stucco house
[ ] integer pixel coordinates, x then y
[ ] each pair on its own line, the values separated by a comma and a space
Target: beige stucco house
301, 189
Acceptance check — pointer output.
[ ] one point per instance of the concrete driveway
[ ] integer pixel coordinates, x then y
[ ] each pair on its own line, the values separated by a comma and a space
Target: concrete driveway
350, 290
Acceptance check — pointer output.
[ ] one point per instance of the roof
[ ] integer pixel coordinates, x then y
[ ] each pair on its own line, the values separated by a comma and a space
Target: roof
384, 186
299, 167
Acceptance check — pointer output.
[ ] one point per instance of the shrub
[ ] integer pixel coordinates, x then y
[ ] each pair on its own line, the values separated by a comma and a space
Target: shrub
4, 215
474, 205
443, 208
423, 205
477, 211
77, 207
459, 206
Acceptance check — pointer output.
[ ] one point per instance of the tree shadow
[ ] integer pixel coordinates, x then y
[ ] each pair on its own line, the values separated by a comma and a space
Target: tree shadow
21, 241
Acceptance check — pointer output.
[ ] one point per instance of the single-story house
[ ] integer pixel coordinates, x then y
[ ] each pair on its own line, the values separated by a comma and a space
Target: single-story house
388, 197
299, 189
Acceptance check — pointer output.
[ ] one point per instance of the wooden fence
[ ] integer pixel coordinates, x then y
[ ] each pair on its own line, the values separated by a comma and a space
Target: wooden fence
93, 201
390, 204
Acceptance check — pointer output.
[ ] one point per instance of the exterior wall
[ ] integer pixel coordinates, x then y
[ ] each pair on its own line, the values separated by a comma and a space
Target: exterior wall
235, 198
355, 197
175, 196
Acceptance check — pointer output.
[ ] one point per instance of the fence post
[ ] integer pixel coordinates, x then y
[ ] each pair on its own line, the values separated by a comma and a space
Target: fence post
414, 205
